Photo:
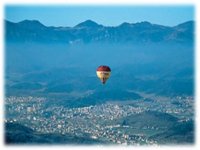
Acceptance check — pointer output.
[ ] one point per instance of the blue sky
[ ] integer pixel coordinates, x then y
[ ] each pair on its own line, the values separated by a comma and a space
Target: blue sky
71, 15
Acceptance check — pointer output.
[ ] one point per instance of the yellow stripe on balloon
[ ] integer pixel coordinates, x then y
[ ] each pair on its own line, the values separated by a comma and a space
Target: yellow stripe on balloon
103, 75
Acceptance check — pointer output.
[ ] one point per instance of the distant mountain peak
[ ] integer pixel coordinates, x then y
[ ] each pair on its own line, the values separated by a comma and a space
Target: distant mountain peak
32, 23
29, 21
125, 24
188, 25
144, 23
88, 23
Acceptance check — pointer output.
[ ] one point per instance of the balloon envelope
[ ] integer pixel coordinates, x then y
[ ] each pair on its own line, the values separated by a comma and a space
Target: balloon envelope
103, 73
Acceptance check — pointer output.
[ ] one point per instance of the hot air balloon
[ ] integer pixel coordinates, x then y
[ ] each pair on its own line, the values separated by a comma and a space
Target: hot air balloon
103, 73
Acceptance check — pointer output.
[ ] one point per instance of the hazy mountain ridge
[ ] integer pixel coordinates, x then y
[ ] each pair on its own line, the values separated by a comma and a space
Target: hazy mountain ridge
90, 32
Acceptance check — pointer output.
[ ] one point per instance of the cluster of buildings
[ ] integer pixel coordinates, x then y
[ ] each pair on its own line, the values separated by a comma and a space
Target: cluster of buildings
96, 122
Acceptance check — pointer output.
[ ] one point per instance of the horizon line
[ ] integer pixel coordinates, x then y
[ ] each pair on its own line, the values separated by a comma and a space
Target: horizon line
97, 23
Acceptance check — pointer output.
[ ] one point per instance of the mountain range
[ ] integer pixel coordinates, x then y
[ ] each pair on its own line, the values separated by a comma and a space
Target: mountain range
92, 32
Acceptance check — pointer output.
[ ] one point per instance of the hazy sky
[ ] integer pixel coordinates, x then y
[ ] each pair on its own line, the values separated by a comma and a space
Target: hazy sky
71, 15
